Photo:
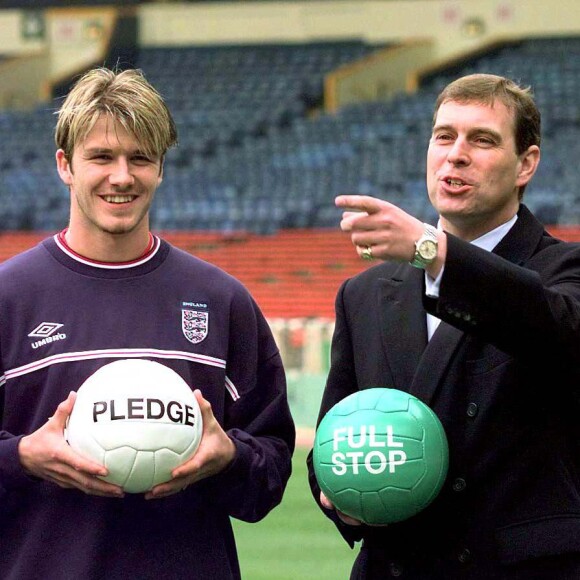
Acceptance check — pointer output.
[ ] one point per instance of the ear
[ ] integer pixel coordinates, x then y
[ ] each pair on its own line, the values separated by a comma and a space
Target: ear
160, 176
64, 168
529, 161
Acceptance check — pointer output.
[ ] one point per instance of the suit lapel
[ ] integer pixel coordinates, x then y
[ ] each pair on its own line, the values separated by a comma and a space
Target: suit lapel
433, 364
417, 366
403, 322
522, 240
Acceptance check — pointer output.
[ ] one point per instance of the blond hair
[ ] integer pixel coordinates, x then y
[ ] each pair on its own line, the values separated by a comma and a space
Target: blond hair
128, 98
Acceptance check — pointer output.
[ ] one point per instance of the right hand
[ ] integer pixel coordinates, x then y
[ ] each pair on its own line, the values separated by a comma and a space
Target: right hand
216, 451
47, 455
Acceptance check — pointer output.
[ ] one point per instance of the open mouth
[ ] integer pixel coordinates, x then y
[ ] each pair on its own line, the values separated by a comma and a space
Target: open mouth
455, 182
118, 199
454, 185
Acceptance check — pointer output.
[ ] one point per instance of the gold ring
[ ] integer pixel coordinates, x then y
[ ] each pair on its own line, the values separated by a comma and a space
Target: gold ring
367, 253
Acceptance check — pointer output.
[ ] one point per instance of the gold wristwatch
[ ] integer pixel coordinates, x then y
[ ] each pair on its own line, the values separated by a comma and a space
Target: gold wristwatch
425, 248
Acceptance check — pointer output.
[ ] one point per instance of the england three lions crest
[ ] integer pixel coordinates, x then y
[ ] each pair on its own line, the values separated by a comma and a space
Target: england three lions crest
194, 324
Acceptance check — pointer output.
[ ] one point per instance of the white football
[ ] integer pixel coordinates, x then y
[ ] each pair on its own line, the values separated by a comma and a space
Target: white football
137, 417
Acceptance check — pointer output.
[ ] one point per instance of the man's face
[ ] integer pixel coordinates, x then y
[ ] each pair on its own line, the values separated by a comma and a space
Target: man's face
473, 171
112, 182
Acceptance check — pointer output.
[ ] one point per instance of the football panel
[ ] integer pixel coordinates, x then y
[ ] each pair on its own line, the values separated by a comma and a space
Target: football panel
399, 504
119, 462
165, 462
142, 473
393, 400
348, 501
145, 436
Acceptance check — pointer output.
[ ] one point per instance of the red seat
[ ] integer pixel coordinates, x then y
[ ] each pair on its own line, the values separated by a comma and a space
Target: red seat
293, 274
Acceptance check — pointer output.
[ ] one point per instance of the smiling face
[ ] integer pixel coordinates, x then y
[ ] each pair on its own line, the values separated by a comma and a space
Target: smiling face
473, 170
112, 183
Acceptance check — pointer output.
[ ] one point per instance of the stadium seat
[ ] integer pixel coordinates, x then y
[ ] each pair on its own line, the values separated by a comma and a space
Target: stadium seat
253, 157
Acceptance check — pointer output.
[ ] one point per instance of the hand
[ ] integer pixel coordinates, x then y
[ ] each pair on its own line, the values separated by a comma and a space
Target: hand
327, 504
216, 451
387, 229
47, 455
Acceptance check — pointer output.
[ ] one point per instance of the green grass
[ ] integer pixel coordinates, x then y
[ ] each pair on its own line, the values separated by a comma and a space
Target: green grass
295, 540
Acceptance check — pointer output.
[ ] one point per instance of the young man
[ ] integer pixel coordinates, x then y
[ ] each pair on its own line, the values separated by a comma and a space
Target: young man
479, 318
103, 289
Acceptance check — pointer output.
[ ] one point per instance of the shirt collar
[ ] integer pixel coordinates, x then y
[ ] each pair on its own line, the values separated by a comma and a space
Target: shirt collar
492, 238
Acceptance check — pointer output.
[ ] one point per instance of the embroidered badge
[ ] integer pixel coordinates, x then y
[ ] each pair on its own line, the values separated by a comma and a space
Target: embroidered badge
194, 323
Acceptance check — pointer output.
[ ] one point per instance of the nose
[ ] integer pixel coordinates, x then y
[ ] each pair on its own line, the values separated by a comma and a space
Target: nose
121, 175
458, 154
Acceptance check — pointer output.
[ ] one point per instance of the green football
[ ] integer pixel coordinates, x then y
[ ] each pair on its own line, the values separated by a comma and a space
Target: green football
380, 455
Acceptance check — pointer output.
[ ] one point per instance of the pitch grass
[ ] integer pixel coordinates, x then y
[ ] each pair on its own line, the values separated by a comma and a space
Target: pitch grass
295, 540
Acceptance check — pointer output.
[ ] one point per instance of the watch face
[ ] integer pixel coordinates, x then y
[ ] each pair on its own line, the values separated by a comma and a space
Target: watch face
427, 250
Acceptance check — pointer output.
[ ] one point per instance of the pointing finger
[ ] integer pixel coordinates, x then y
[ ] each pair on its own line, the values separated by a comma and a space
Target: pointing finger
359, 203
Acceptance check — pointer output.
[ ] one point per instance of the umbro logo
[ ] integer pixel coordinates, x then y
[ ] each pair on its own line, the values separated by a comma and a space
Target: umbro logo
45, 329
47, 333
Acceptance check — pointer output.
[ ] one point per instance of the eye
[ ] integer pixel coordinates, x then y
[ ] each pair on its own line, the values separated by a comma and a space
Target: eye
484, 141
142, 159
442, 137
100, 157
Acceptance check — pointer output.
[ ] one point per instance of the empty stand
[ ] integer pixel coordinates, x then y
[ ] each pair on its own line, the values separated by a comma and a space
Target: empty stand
256, 155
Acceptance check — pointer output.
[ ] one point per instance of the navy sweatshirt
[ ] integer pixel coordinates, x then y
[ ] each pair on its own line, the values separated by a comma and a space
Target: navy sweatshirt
61, 318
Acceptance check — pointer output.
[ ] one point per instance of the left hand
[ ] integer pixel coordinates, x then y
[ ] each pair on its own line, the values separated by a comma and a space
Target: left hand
348, 520
327, 504
216, 451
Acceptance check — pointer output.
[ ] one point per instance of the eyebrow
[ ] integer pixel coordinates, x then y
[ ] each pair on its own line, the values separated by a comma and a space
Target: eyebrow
97, 150
473, 131
92, 150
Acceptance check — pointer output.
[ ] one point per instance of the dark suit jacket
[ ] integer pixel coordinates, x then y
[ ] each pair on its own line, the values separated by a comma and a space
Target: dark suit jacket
502, 372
